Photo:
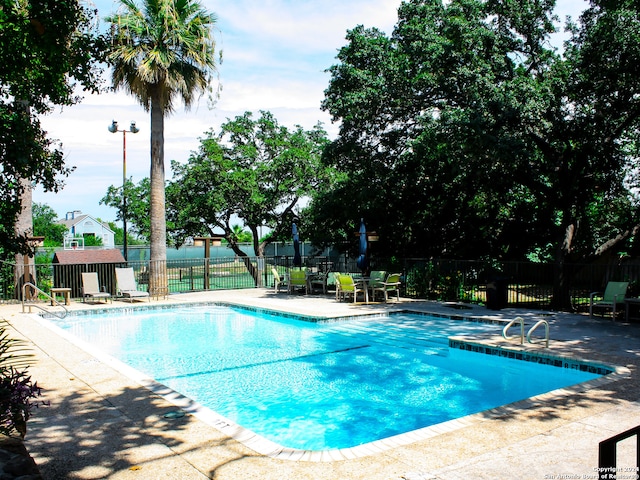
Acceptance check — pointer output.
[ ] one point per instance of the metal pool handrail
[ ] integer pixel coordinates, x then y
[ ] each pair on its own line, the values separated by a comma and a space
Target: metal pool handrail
546, 331
519, 320
53, 301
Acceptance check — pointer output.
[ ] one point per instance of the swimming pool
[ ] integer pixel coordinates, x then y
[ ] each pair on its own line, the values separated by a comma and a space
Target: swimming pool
322, 385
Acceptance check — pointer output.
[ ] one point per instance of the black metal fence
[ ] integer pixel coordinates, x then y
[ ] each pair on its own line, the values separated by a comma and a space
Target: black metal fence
607, 461
524, 283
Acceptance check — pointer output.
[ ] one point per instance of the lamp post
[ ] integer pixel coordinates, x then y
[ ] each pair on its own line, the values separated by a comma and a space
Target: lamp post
113, 128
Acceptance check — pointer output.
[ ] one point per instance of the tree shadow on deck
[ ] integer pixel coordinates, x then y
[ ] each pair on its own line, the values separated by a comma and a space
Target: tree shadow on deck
86, 435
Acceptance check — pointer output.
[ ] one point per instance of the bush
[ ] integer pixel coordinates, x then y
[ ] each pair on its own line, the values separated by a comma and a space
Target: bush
18, 394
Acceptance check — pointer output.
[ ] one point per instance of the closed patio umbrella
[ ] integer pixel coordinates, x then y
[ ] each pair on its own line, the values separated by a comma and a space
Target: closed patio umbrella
297, 259
363, 261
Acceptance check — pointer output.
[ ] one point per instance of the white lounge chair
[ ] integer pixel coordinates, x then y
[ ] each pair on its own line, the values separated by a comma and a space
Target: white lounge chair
127, 285
277, 280
91, 287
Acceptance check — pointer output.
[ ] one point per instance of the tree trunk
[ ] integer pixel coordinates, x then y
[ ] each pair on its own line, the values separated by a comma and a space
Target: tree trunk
24, 227
158, 242
566, 261
561, 299
251, 268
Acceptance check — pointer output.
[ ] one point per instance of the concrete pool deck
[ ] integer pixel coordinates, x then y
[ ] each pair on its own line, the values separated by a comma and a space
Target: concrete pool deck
101, 424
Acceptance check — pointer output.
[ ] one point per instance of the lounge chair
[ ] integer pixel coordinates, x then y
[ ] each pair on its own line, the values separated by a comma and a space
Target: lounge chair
277, 280
91, 288
297, 279
127, 285
349, 287
391, 284
613, 296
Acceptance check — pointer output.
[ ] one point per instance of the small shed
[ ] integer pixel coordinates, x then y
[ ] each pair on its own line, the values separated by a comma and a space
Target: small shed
68, 265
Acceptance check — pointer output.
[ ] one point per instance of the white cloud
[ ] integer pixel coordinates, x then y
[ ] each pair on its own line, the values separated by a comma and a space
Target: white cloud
572, 8
304, 26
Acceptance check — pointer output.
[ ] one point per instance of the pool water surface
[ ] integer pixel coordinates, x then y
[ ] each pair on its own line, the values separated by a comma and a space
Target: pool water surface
318, 385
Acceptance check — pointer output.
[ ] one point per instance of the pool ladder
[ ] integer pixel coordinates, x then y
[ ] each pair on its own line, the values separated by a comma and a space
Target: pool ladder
520, 320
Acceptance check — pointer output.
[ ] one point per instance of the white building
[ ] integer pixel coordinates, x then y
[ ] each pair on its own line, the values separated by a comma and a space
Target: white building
81, 225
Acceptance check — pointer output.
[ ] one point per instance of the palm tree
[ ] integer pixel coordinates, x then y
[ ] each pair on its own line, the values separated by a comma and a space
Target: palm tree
161, 51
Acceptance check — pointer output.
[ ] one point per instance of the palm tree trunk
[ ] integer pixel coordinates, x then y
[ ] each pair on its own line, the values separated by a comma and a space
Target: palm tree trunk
158, 256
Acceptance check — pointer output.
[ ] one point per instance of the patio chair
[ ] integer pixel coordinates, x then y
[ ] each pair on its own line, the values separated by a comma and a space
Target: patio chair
91, 288
277, 280
127, 287
391, 284
336, 282
318, 280
375, 279
298, 279
349, 287
613, 296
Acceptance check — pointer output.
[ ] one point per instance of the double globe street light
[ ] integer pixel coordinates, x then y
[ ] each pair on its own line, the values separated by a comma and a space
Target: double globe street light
113, 128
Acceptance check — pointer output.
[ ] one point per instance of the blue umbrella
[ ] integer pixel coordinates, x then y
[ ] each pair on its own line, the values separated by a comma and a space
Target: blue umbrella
363, 261
297, 259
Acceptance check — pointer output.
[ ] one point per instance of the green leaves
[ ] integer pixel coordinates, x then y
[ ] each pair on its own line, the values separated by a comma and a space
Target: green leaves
163, 47
254, 170
47, 48
18, 393
466, 134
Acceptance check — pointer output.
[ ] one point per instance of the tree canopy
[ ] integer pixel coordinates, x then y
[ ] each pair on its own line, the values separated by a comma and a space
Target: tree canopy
48, 49
45, 225
137, 208
466, 134
253, 170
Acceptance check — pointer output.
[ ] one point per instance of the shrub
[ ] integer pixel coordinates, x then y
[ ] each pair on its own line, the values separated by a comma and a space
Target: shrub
18, 394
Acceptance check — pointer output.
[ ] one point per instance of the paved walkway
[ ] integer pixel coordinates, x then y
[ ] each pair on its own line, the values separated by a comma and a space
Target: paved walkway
103, 425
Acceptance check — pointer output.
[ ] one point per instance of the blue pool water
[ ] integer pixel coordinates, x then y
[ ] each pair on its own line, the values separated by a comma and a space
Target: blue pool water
321, 385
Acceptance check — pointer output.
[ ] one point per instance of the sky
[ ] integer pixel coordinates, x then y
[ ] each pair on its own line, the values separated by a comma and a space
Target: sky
275, 53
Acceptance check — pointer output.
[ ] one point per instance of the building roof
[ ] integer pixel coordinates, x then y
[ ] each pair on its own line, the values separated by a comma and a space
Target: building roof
70, 222
75, 257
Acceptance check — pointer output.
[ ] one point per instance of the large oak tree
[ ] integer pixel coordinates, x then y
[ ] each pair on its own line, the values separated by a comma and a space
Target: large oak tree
466, 134
253, 170
48, 50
